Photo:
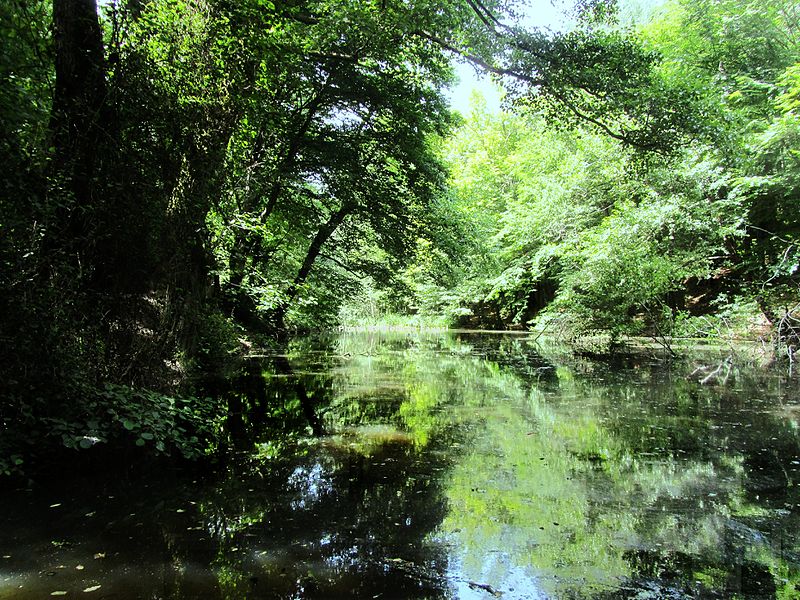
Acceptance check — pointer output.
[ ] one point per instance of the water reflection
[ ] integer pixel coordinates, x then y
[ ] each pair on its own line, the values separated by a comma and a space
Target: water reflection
444, 466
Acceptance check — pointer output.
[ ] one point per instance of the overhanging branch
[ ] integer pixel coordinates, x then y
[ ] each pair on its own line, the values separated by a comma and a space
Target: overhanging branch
343, 266
478, 61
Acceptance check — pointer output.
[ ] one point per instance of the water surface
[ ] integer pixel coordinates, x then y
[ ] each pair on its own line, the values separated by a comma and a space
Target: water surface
452, 465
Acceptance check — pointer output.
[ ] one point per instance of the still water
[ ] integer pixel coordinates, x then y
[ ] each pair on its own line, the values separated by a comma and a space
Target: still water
452, 465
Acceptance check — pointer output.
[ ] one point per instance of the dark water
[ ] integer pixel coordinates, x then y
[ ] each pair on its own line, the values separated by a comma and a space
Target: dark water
444, 466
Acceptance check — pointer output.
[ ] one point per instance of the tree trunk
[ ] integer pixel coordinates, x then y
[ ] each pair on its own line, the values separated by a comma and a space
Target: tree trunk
77, 121
245, 243
323, 235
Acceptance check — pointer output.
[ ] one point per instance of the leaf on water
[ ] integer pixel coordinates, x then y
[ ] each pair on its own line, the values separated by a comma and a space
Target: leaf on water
93, 588
55, 505
100, 555
80, 567
180, 510
59, 593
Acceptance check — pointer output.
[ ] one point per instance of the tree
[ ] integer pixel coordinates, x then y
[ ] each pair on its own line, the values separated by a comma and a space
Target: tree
339, 157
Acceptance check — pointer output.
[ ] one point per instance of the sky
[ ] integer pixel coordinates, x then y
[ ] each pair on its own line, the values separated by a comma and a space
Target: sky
468, 83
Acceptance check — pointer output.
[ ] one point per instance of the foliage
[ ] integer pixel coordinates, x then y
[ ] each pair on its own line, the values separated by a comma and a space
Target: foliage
562, 209
169, 161
332, 175
147, 418
567, 226
119, 418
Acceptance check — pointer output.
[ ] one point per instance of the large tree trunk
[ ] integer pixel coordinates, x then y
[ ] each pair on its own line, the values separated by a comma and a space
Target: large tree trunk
77, 123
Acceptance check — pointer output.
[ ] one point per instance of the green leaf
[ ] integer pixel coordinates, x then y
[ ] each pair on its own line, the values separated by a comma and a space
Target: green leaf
140, 442
128, 424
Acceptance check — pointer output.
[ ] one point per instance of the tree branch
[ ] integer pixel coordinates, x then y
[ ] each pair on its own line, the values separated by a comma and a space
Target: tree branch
479, 7
477, 61
339, 263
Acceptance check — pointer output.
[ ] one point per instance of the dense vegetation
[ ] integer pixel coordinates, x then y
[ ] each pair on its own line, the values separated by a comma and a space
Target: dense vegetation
578, 232
182, 176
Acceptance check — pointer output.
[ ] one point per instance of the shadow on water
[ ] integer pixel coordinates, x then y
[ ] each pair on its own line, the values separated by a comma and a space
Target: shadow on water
441, 466
263, 398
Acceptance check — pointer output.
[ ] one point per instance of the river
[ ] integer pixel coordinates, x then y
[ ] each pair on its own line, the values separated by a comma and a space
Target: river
443, 465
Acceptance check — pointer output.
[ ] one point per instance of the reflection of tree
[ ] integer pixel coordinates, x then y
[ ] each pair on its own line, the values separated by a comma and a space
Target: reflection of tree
451, 461
636, 479
348, 514
516, 494
268, 400
333, 522
355, 512
284, 368
589, 476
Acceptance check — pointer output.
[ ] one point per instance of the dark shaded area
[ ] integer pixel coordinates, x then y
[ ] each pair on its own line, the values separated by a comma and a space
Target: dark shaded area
283, 367
498, 316
327, 524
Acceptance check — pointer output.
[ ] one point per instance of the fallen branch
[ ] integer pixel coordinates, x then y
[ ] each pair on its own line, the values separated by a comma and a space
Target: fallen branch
485, 587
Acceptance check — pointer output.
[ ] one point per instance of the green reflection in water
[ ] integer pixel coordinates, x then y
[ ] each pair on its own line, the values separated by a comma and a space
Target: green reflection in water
641, 483
589, 478
448, 466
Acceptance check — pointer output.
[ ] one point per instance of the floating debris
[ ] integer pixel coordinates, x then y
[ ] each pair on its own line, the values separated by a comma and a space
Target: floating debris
485, 587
